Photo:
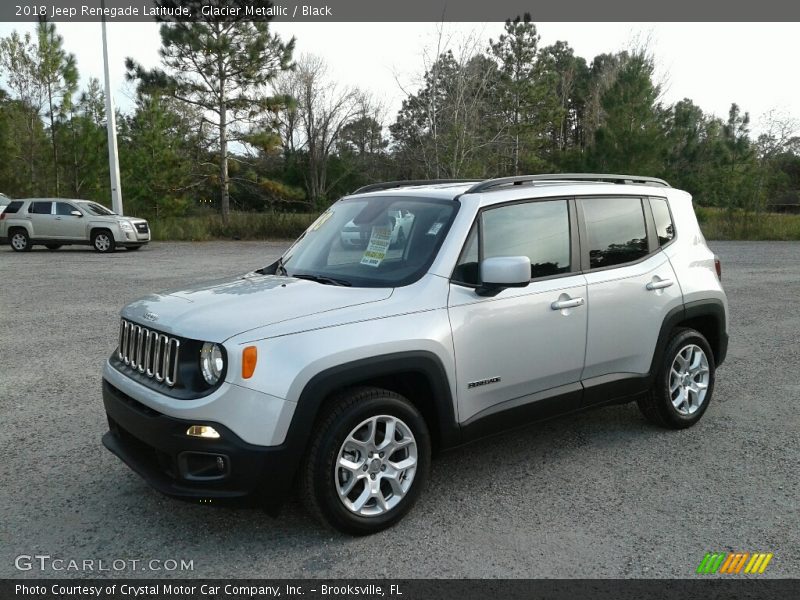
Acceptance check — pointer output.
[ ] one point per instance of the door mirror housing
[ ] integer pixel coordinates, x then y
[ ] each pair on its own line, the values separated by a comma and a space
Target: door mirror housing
501, 272
76, 213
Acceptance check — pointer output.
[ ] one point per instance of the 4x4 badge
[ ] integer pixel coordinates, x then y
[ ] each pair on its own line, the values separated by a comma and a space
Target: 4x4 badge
150, 316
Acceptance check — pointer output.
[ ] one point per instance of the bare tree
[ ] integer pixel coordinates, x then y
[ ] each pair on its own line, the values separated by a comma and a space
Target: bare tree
313, 122
441, 128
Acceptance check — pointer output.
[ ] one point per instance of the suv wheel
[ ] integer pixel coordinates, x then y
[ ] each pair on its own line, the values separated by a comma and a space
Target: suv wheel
103, 241
684, 383
19, 241
368, 462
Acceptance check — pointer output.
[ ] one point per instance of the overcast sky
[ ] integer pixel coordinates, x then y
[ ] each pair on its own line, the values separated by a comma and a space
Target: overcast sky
714, 64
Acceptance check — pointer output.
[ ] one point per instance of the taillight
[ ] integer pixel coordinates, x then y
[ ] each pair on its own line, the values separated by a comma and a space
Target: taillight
718, 267
2, 216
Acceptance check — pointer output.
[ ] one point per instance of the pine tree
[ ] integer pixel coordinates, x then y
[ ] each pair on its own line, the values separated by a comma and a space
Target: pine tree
58, 74
220, 67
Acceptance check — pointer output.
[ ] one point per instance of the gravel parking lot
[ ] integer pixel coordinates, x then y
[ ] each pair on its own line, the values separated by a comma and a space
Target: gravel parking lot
599, 495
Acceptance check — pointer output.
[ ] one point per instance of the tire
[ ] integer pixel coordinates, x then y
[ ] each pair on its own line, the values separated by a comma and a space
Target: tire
678, 398
344, 430
133, 248
52, 246
103, 241
19, 240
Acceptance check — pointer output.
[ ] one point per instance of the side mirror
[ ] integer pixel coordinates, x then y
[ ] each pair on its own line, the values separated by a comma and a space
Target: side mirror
76, 213
503, 272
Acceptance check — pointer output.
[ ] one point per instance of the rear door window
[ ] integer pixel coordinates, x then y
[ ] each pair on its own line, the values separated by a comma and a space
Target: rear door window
40, 208
616, 231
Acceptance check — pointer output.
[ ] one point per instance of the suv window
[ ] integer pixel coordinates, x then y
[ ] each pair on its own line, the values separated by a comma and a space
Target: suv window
665, 230
538, 230
40, 208
64, 209
616, 230
13, 207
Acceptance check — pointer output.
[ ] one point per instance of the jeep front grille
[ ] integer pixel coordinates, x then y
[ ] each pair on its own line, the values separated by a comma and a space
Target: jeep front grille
150, 352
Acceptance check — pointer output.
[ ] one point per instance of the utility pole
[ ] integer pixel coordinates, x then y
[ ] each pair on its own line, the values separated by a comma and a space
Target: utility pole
111, 125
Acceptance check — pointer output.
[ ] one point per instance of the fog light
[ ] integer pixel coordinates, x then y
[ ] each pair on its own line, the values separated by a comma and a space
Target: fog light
202, 431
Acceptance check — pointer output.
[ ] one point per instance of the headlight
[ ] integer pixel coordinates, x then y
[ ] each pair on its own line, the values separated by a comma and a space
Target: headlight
125, 226
211, 363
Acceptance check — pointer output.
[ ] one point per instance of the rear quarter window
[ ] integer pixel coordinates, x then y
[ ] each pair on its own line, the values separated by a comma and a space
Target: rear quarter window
665, 228
13, 207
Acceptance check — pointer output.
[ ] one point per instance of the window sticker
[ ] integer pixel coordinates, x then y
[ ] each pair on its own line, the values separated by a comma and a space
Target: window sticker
378, 246
322, 219
435, 228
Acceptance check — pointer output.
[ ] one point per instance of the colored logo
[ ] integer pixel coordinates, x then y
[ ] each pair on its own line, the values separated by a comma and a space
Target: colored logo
734, 563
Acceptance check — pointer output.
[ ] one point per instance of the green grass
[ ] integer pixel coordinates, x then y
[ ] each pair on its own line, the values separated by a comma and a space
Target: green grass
724, 224
716, 223
241, 226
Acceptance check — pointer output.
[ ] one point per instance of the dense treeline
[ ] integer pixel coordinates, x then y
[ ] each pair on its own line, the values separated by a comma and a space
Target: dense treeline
234, 120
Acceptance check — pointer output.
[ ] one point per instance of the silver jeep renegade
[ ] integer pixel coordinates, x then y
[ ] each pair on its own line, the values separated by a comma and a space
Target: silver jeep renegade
342, 368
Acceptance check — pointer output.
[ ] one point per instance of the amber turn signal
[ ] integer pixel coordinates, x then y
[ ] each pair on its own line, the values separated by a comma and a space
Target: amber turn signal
249, 359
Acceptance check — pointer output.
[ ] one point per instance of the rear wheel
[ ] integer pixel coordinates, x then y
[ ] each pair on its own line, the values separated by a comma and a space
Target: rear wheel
52, 246
103, 241
19, 240
368, 462
684, 384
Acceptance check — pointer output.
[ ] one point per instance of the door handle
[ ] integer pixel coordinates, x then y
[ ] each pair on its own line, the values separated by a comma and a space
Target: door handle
562, 304
659, 285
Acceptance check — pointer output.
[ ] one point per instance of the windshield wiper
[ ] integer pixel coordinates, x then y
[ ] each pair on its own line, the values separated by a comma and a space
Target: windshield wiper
324, 280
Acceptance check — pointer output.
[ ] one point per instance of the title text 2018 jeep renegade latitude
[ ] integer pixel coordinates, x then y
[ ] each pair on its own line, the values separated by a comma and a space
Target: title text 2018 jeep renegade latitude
343, 368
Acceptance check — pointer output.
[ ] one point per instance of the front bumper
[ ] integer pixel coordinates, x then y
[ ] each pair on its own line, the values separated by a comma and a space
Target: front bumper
133, 238
156, 447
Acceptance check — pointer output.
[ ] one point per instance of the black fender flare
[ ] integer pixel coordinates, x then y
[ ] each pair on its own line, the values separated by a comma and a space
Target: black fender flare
711, 307
324, 383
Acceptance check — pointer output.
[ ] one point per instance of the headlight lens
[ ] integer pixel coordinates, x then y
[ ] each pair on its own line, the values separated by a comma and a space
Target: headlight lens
211, 363
125, 226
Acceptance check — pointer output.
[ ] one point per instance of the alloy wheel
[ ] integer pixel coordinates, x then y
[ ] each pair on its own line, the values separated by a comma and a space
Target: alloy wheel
376, 465
102, 242
19, 241
688, 379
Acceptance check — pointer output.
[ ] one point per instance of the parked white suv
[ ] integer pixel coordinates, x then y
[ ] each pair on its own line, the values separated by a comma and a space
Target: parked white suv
55, 222
345, 370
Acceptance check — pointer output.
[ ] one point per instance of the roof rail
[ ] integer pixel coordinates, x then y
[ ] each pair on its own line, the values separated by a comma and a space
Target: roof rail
601, 177
388, 185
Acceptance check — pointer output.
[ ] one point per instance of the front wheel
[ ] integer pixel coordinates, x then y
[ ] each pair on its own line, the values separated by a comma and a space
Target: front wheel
684, 384
103, 241
368, 462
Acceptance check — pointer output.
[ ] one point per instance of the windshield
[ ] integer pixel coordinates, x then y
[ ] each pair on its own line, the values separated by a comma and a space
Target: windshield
371, 242
97, 209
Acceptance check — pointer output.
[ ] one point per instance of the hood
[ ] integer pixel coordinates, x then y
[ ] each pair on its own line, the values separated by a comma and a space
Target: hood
218, 310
